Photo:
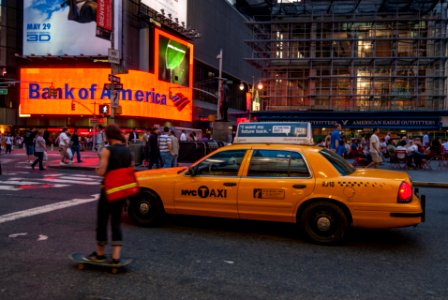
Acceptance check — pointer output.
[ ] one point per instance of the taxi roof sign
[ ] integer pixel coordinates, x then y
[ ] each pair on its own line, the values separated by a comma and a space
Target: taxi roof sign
274, 132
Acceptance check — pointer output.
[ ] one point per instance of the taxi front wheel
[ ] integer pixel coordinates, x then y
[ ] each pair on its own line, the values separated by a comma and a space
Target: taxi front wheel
324, 222
146, 209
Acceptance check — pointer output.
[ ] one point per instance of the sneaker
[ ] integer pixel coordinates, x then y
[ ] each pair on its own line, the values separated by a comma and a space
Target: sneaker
95, 257
115, 261
70, 162
62, 163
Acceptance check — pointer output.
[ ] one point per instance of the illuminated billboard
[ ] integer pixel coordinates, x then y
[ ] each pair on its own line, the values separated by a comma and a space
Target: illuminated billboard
67, 27
143, 95
174, 59
175, 8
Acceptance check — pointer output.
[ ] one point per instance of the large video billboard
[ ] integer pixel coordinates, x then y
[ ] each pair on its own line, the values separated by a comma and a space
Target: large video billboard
175, 58
66, 27
143, 95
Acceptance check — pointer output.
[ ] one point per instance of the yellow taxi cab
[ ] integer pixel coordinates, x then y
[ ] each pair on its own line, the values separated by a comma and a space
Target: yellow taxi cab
281, 182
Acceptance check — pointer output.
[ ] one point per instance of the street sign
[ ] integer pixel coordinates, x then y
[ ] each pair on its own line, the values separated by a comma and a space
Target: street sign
119, 69
114, 56
3, 91
113, 86
114, 79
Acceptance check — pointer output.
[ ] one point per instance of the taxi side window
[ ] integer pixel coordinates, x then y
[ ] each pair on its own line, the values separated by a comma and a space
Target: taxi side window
277, 163
224, 163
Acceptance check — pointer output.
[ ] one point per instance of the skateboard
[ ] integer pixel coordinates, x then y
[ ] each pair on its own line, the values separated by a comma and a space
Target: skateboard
82, 261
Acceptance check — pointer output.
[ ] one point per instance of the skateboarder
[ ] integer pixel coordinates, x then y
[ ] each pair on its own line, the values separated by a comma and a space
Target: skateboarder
114, 156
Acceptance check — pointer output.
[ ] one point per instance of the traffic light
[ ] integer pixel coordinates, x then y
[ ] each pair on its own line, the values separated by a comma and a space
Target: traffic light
73, 106
104, 109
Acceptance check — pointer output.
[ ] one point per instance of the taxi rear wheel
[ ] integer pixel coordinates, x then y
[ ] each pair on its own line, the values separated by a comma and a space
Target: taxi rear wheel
146, 209
324, 222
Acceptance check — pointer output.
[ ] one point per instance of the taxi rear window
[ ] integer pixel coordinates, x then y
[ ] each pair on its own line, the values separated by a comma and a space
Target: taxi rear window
277, 163
343, 167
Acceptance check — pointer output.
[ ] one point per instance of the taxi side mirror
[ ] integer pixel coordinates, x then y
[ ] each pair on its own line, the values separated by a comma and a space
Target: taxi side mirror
193, 171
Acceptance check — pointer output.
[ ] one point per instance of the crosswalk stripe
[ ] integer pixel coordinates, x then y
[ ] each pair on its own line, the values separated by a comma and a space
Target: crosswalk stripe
69, 181
82, 178
45, 209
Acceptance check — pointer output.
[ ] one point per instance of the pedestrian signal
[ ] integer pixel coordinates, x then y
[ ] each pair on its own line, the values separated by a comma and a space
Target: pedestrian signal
104, 109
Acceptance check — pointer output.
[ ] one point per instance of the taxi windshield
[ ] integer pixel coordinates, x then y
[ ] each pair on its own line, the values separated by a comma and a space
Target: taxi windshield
338, 162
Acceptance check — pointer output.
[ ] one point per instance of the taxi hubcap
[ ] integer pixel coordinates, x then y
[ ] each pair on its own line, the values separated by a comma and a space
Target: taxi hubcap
144, 208
323, 223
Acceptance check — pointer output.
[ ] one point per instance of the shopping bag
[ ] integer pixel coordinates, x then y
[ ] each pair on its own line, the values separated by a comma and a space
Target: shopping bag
69, 153
120, 184
45, 156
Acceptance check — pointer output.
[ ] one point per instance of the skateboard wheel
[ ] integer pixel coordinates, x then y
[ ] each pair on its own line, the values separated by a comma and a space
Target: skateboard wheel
81, 266
114, 270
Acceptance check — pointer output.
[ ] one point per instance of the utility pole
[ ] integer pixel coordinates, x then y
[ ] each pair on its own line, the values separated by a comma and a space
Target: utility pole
114, 100
220, 86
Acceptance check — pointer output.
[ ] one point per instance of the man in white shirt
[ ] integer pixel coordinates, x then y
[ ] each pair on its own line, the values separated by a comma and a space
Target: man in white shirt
183, 136
64, 145
9, 140
374, 150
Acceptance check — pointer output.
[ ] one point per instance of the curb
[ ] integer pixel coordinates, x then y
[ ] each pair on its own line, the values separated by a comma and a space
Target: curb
431, 184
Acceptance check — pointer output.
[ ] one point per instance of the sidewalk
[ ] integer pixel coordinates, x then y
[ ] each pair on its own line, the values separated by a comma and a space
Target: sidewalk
435, 177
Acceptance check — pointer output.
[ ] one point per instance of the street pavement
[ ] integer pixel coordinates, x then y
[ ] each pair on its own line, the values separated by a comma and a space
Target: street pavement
436, 176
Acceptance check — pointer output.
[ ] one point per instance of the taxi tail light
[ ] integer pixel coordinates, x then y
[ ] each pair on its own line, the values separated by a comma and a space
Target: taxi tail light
404, 193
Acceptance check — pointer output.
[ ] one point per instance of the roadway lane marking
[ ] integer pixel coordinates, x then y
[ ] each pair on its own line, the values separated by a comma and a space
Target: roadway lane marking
45, 209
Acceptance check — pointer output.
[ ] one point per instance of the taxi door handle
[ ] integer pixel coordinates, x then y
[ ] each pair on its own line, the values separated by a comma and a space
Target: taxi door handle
229, 183
299, 186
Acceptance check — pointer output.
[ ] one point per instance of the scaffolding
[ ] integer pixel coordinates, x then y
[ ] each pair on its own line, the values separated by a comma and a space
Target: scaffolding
376, 58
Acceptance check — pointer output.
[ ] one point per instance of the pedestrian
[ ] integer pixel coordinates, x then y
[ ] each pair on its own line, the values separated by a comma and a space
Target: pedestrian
335, 138
145, 140
387, 138
115, 156
183, 136
100, 140
133, 137
64, 145
153, 149
9, 140
39, 150
374, 149
145, 136
166, 146
75, 145
425, 140
28, 139
175, 148
342, 150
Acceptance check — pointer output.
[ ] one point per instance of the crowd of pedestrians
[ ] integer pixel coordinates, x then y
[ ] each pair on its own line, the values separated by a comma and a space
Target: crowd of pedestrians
372, 150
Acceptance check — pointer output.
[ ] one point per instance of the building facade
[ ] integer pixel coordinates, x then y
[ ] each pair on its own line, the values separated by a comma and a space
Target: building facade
351, 57
59, 69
